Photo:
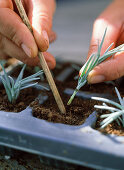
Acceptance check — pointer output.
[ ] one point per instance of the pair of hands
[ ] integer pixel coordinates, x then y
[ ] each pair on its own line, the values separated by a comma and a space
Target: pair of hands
17, 41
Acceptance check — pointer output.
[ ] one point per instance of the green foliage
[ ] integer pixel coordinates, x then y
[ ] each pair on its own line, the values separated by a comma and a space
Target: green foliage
116, 110
94, 60
13, 87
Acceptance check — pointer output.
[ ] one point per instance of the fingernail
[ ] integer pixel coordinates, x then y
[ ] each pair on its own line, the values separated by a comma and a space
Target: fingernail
45, 35
80, 73
26, 50
96, 79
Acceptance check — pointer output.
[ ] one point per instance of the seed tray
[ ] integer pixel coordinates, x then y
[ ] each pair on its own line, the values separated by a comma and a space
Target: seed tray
79, 145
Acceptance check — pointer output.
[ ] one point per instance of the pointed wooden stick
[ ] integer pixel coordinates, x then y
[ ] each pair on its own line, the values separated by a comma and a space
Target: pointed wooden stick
42, 59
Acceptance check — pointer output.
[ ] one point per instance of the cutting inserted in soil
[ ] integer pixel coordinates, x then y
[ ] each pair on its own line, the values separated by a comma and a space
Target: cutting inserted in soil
43, 104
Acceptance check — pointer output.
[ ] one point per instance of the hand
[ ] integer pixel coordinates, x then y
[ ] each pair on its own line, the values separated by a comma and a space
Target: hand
15, 38
113, 19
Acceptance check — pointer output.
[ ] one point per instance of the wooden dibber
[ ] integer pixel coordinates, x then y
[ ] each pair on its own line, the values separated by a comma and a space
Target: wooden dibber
42, 60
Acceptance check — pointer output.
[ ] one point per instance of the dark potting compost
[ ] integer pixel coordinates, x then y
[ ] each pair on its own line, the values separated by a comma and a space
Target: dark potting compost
75, 113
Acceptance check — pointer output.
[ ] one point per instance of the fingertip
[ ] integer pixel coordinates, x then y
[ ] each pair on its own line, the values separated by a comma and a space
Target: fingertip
94, 77
6, 4
52, 36
45, 40
54, 64
35, 61
51, 65
80, 73
107, 70
34, 51
42, 40
28, 43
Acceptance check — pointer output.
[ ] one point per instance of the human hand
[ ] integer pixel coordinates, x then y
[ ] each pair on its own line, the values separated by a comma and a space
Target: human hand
112, 19
15, 38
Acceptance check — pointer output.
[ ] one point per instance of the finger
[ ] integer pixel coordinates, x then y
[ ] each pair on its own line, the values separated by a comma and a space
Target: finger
12, 27
12, 50
2, 55
35, 61
121, 36
108, 70
50, 60
98, 32
6, 4
40, 15
52, 36
112, 22
15, 6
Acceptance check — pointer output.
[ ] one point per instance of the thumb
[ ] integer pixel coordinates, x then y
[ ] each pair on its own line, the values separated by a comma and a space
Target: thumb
108, 70
98, 31
40, 15
6, 4
109, 21
111, 37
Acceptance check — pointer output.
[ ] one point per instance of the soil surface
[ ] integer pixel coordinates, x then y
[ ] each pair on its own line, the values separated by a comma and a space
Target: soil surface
26, 95
75, 114
25, 98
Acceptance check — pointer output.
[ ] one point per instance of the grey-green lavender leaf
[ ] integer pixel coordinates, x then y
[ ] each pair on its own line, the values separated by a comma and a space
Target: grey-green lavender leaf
13, 88
116, 111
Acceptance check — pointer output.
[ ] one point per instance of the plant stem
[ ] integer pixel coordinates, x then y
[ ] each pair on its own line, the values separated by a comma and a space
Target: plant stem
72, 97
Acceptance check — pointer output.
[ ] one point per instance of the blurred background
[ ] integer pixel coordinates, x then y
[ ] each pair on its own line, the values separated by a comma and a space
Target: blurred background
73, 22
